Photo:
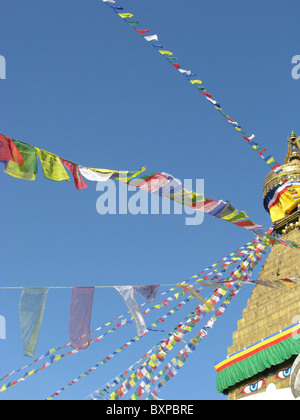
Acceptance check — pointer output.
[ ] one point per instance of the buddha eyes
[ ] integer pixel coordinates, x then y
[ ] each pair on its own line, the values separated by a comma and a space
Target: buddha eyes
255, 386
285, 373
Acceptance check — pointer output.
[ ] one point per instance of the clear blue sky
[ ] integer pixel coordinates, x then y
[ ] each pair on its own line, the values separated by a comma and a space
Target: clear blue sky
83, 85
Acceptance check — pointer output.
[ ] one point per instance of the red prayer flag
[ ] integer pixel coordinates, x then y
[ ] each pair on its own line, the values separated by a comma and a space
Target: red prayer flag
153, 183
73, 168
8, 150
142, 32
206, 94
244, 224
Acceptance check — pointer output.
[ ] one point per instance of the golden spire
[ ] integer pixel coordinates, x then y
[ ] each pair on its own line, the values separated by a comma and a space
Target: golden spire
293, 149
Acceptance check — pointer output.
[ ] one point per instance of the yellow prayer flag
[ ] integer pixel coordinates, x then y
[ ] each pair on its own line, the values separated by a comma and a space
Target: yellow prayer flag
165, 52
52, 166
113, 395
229, 216
196, 82
125, 15
208, 305
15, 170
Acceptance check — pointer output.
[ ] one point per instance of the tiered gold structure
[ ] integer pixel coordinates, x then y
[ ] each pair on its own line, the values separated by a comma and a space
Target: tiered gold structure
270, 310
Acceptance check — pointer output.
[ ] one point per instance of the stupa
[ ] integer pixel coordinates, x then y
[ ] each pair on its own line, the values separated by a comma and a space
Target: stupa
263, 361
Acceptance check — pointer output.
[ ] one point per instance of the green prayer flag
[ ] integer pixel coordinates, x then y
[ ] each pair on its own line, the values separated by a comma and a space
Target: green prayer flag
31, 310
26, 170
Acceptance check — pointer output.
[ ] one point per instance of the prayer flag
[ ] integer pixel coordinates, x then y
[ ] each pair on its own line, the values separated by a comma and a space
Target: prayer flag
93, 175
151, 38
209, 306
188, 72
164, 52
80, 317
26, 170
150, 183
52, 166
127, 294
73, 168
31, 310
148, 292
8, 150
142, 32
125, 15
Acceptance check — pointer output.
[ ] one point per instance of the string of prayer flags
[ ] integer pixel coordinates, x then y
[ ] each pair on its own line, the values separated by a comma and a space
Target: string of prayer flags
273, 283
165, 185
123, 322
155, 360
127, 294
214, 299
162, 184
31, 310
148, 368
26, 170
52, 166
126, 345
162, 349
225, 266
80, 317
231, 257
8, 150
198, 84
178, 361
148, 292
272, 240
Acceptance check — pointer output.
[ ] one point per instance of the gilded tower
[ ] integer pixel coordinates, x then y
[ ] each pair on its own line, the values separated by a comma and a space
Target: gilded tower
267, 341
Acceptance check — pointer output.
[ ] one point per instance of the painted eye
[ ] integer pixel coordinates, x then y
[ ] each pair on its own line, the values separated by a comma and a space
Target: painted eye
285, 373
255, 386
